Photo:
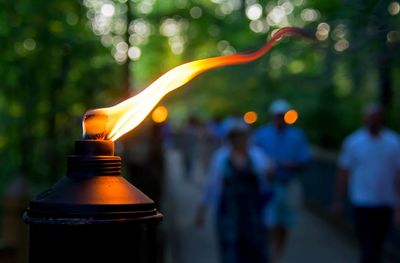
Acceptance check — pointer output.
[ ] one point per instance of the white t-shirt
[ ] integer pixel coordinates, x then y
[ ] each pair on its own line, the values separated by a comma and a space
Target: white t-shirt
373, 163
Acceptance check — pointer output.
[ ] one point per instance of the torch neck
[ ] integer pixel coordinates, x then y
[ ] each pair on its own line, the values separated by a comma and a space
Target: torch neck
94, 148
93, 158
88, 166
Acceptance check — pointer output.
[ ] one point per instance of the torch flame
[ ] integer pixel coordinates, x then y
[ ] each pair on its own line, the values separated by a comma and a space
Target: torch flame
113, 122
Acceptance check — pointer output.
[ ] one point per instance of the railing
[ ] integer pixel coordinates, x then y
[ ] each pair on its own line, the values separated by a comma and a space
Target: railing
318, 183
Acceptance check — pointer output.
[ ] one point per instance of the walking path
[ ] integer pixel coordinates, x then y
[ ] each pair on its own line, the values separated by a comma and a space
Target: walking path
312, 240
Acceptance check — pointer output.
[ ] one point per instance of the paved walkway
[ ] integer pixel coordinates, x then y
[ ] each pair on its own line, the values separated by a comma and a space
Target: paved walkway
313, 240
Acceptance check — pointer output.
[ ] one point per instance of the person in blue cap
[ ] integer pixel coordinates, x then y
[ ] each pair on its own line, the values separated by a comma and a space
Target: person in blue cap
288, 149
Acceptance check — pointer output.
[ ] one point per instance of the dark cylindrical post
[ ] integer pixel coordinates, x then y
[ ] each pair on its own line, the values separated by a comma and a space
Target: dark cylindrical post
92, 214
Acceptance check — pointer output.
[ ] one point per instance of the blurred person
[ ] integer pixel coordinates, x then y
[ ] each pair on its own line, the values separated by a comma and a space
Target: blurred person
188, 144
167, 135
208, 143
216, 128
289, 151
236, 191
226, 124
369, 164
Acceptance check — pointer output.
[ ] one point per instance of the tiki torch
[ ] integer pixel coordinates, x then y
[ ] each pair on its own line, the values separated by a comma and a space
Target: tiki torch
93, 214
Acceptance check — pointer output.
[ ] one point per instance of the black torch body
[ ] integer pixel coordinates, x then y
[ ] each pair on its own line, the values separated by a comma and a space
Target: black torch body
93, 214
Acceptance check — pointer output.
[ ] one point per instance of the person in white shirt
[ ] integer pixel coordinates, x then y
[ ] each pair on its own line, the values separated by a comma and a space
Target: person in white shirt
236, 192
369, 165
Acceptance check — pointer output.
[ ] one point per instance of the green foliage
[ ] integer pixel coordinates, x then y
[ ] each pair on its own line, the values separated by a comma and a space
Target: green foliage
52, 69
60, 58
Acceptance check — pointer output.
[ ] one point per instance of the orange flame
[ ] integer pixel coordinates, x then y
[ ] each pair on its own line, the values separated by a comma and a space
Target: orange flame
113, 122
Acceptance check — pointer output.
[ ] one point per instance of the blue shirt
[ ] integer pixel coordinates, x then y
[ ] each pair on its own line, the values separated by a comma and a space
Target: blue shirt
288, 145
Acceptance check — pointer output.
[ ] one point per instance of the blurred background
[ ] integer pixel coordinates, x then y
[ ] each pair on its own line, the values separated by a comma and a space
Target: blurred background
61, 58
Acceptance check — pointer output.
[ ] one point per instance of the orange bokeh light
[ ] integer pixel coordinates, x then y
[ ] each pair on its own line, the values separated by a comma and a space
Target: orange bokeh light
250, 117
291, 116
160, 114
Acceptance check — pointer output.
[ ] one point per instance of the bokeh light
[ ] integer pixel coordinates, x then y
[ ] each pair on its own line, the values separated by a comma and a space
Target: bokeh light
134, 53
225, 48
288, 7
169, 27
145, 6
29, 44
339, 32
309, 15
394, 8
250, 117
291, 117
122, 47
254, 12
108, 10
322, 31
296, 66
393, 36
196, 12
341, 45
277, 17
160, 114
258, 26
